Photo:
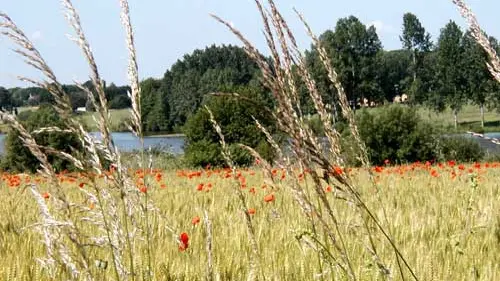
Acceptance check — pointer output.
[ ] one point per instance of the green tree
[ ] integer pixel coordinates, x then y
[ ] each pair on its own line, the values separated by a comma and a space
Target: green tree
480, 83
393, 69
18, 158
5, 99
203, 72
154, 106
418, 42
353, 48
234, 115
117, 96
451, 80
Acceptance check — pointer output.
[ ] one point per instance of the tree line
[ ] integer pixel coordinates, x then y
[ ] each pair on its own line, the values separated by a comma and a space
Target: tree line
450, 71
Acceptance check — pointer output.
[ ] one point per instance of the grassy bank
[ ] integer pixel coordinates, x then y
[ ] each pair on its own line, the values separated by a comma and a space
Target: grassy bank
447, 227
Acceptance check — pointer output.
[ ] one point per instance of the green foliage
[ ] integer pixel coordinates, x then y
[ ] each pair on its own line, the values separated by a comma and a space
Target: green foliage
204, 71
393, 69
117, 96
451, 80
460, 149
154, 107
19, 159
234, 115
353, 48
5, 99
416, 41
398, 134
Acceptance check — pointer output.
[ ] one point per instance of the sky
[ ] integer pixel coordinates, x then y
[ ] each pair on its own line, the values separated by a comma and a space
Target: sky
165, 30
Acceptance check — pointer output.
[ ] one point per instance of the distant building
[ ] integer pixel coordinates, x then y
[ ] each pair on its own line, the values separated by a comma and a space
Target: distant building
81, 109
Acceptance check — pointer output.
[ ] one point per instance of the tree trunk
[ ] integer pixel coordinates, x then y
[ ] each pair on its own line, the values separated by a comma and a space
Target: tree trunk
455, 118
414, 65
481, 107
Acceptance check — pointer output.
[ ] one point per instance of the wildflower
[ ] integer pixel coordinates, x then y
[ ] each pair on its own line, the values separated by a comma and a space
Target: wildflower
183, 241
338, 170
199, 187
195, 220
252, 190
387, 161
81, 185
269, 198
46, 195
328, 189
158, 177
379, 169
163, 186
143, 189
434, 173
251, 211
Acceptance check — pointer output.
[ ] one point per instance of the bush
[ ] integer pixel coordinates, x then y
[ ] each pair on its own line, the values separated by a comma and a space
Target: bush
398, 134
19, 159
461, 149
235, 118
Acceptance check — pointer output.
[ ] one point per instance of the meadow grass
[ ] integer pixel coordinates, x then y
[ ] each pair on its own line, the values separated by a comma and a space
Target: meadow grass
445, 223
118, 119
469, 118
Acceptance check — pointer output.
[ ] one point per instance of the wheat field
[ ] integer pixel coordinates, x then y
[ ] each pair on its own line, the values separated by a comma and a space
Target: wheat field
444, 218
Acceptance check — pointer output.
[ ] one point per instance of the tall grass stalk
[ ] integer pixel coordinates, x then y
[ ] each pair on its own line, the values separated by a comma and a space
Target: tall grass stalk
119, 219
279, 78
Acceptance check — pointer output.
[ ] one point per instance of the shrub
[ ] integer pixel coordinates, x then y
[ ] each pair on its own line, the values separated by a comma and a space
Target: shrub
461, 149
398, 134
18, 158
234, 115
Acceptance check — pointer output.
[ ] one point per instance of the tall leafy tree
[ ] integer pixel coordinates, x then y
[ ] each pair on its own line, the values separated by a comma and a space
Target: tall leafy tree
418, 42
5, 99
480, 83
451, 77
353, 48
393, 68
203, 72
154, 106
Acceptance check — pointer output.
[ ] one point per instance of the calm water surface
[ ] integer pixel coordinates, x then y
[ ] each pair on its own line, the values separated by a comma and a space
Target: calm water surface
175, 144
128, 142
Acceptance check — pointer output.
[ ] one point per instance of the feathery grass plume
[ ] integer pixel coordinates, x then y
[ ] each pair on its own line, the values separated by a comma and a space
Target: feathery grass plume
305, 146
117, 221
209, 247
254, 262
133, 71
480, 36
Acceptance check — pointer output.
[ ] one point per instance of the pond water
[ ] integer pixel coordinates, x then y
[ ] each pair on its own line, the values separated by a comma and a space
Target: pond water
175, 144
128, 142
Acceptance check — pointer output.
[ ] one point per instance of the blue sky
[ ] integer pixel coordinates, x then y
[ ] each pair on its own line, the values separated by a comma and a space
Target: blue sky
167, 29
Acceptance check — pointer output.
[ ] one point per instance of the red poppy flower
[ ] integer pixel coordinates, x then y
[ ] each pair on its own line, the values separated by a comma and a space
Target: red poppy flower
46, 195
338, 170
251, 211
195, 220
269, 198
183, 241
